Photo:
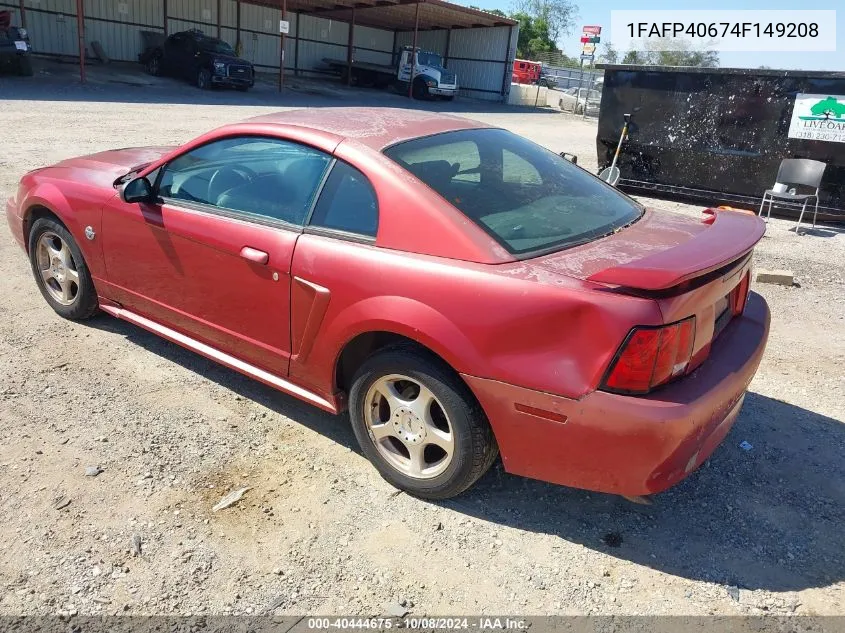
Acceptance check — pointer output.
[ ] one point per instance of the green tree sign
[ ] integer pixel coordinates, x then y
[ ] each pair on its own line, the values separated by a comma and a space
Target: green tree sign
828, 108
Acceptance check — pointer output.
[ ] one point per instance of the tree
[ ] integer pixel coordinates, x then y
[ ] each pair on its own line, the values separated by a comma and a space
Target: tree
537, 24
498, 12
558, 15
534, 36
635, 58
610, 55
672, 53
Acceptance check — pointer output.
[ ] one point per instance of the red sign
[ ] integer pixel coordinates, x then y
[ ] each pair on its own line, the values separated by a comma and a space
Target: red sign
595, 30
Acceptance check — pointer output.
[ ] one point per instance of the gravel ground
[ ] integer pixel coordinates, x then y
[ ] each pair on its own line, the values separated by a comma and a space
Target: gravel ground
757, 531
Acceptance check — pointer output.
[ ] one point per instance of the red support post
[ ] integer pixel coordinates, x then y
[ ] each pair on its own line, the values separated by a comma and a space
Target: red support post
282, 47
349, 46
296, 45
23, 14
414, 52
238, 45
80, 26
219, 10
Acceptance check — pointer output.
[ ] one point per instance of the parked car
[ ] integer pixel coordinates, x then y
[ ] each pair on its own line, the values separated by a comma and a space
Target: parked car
547, 80
460, 290
205, 61
15, 48
574, 100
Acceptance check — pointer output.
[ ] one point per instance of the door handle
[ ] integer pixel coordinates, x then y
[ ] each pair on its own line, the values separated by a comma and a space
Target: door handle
254, 255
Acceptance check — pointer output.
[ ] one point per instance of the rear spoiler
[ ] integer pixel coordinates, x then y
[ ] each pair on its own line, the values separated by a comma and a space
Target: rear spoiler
730, 236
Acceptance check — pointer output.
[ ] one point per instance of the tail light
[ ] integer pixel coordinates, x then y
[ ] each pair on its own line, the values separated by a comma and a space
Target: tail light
650, 357
739, 297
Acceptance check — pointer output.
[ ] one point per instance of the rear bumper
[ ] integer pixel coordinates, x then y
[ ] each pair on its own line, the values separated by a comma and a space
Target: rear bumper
623, 444
15, 222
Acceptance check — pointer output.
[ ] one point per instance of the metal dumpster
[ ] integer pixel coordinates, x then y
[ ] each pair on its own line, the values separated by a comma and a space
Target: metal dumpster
717, 135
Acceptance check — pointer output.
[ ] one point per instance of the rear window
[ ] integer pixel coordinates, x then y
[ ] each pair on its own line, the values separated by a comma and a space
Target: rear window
528, 198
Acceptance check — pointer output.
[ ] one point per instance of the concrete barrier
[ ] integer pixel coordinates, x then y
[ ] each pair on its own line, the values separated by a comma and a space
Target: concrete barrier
527, 95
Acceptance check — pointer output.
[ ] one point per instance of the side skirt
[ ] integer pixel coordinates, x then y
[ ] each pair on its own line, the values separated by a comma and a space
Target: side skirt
220, 357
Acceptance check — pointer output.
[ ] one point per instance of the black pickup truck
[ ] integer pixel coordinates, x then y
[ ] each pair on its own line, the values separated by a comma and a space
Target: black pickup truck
14, 46
204, 61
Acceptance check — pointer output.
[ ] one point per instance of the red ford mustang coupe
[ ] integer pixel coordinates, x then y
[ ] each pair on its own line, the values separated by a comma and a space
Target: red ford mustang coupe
461, 290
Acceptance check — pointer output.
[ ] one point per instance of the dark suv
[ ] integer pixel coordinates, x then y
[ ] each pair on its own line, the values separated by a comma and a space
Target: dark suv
202, 60
14, 46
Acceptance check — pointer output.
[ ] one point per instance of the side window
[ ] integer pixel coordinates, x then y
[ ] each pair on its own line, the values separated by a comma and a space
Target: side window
260, 176
174, 42
516, 169
459, 162
347, 202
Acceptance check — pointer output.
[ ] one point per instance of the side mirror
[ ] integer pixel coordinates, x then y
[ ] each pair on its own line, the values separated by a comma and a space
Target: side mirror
572, 158
138, 190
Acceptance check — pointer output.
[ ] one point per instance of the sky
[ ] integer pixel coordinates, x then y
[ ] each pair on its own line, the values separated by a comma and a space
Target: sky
598, 13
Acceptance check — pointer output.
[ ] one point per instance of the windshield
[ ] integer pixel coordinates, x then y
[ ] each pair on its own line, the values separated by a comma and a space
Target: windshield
528, 198
429, 59
216, 46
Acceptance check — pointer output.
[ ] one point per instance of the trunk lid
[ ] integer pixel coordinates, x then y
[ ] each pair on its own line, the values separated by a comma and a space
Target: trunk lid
660, 251
690, 267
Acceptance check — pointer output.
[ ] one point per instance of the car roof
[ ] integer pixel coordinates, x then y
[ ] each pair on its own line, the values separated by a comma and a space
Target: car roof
377, 128
198, 35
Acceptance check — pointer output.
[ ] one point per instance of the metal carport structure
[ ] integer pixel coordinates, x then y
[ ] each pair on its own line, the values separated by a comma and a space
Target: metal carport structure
478, 46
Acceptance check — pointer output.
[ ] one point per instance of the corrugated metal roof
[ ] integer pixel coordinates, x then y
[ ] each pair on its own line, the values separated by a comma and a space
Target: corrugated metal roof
396, 15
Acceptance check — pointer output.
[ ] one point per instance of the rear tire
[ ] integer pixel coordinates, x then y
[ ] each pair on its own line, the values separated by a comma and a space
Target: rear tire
60, 270
390, 431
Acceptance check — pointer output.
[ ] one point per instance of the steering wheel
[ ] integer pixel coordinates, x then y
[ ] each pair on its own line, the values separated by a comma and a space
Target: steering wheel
227, 178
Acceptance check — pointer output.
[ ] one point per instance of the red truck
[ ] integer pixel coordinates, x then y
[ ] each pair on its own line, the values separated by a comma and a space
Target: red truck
525, 72
528, 72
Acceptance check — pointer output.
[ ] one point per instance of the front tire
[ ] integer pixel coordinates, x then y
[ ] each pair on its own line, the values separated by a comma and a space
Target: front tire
419, 424
25, 66
60, 270
203, 79
420, 90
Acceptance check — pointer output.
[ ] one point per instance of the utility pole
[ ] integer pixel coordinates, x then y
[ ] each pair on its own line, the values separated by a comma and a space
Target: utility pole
580, 85
282, 32
589, 87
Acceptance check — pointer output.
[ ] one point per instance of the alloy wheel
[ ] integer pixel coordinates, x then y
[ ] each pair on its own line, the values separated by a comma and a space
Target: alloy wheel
409, 426
57, 268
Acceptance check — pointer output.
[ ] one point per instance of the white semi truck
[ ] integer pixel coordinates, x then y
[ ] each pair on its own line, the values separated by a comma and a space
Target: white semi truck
428, 78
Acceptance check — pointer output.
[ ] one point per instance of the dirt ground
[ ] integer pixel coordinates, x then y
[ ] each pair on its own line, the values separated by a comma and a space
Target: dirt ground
756, 531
